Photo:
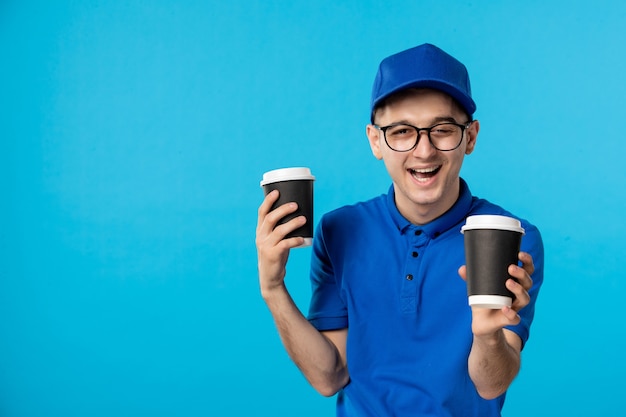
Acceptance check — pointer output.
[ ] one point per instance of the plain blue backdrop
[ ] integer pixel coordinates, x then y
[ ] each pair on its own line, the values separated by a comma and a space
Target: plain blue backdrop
133, 138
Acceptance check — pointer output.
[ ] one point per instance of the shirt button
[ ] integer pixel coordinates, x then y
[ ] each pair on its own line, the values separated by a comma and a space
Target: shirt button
409, 277
414, 254
418, 232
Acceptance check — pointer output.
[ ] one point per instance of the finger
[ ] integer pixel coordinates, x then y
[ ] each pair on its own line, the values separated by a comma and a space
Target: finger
486, 321
274, 247
271, 219
284, 229
521, 275
291, 242
511, 315
527, 262
522, 298
265, 207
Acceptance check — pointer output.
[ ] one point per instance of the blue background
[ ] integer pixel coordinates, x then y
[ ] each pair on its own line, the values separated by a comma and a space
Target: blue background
134, 135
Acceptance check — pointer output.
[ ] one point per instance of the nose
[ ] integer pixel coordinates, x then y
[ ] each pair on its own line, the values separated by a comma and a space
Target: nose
423, 148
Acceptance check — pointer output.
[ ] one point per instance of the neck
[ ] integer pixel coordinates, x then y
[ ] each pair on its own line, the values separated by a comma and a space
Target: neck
420, 213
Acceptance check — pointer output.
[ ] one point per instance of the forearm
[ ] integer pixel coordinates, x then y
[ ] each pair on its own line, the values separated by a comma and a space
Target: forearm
493, 363
315, 355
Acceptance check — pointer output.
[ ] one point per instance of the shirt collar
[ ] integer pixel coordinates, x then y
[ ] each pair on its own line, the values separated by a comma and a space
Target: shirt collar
449, 219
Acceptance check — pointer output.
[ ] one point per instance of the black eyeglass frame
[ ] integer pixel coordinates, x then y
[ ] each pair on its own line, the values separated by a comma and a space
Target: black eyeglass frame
427, 129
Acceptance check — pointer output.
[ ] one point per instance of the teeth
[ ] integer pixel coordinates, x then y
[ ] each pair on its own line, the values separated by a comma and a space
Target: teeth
423, 174
425, 170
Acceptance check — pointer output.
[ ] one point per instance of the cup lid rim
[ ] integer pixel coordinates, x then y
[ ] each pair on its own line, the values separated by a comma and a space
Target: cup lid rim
287, 174
492, 221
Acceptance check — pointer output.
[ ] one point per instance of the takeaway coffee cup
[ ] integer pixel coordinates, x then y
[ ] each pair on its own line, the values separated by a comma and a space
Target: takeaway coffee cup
294, 185
492, 243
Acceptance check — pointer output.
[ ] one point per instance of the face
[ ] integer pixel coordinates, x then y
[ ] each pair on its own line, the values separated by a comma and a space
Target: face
426, 181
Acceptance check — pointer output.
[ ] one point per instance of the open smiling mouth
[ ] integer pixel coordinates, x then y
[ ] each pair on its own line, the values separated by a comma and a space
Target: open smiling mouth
424, 174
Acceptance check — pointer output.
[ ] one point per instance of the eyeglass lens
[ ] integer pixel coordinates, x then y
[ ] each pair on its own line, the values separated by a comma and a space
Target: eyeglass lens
443, 136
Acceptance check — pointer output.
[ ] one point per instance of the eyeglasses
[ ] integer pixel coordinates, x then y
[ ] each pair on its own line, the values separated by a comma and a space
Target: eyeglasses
402, 137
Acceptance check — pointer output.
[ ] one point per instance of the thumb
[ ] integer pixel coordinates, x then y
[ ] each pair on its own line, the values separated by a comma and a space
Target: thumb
463, 272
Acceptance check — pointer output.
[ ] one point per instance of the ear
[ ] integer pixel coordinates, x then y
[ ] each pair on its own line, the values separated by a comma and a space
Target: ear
472, 136
375, 137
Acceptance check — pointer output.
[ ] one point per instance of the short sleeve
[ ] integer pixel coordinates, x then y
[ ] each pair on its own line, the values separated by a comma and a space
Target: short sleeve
533, 244
327, 310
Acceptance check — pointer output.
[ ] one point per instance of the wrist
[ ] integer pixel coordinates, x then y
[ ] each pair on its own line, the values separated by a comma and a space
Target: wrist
271, 291
490, 339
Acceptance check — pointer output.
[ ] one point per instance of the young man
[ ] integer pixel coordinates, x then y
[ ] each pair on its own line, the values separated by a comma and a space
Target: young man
389, 327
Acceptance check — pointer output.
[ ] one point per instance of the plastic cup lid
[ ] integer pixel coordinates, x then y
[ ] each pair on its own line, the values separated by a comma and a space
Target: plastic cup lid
287, 174
490, 221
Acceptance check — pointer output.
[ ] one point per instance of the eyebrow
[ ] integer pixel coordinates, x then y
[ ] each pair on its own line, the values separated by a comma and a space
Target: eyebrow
434, 121
444, 119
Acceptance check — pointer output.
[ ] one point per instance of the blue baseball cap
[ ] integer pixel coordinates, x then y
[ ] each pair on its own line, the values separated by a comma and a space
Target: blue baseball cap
424, 66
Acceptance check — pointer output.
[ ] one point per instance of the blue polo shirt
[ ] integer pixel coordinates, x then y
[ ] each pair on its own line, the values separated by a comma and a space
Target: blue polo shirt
395, 286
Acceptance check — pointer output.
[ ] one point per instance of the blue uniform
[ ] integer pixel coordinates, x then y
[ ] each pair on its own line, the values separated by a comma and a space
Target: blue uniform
395, 286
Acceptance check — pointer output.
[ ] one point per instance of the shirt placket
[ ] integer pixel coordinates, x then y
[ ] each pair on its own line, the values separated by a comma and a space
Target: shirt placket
411, 278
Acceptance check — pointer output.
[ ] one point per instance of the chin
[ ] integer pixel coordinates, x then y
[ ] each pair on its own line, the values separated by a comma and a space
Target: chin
425, 197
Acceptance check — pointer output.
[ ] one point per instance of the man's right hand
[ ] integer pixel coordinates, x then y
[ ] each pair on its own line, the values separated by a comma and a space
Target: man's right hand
272, 247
